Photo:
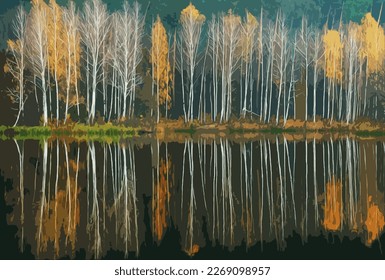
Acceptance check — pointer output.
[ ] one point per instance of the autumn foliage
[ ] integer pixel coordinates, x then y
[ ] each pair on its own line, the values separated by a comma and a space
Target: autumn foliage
374, 222
373, 43
162, 74
161, 198
333, 205
333, 54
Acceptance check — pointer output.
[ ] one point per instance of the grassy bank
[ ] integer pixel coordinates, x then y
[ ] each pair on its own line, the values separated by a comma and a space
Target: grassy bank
105, 132
172, 128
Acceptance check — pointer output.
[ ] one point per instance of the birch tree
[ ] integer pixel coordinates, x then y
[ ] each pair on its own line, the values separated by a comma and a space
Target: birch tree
316, 58
213, 42
125, 53
373, 49
332, 46
281, 59
72, 56
230, 43
130, 54
191, 21
38, 50
351, 65
138, 29
249, 28
161, 75
94, 28
56, 49
304, 52
17, 64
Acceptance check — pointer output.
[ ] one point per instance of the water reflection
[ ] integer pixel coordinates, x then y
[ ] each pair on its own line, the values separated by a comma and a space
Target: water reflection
92, 196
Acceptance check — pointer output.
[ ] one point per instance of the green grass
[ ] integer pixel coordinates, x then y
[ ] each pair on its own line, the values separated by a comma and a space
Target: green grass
241, 131
366, 133
33, 132
278, 130
191, 130
2, 129
271, 130
114, 133
104, 133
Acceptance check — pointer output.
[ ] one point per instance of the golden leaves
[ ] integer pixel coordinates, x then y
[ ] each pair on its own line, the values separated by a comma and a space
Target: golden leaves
231, 19
12, 44
248, 36
374, 222
333, 205
193, 250
373, 43
333, 54
6, 68
56, 42
162, 74
161, 198
190, 13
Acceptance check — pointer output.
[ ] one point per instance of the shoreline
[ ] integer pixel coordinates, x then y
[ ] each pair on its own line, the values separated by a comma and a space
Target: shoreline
177, 130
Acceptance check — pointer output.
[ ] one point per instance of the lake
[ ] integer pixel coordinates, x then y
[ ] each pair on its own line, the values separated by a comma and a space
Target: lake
204, 198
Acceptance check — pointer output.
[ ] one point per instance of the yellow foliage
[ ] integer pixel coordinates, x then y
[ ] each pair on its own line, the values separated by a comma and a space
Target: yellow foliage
190, 13
6, 68
161, 198
12, 44
57, 220
231, 19
374, 222
193, 250
373, 43
333, 54
162, 74
248, 36
333, 205
56, 42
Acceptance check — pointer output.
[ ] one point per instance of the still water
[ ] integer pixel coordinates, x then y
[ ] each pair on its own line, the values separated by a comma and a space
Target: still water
202, 198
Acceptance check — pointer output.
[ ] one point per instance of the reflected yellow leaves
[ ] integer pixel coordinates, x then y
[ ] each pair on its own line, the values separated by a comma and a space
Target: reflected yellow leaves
374, 222
58, 216
193, 250
161, 198
333, 205
333, 213
61, 216
162, 74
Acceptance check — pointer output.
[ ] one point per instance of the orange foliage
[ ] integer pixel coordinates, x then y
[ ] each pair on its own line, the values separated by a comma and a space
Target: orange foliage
191, 14
333, 54
161, 198
61, 215
231, 20
193, 250
162, 74
373, 43
56, 42
57, 220
248, 36
333, 205
374, 222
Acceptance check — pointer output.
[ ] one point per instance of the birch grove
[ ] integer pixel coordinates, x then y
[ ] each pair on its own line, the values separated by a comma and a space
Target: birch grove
86, 63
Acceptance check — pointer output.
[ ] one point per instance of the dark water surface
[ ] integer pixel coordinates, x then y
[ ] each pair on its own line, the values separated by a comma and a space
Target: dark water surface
203, 199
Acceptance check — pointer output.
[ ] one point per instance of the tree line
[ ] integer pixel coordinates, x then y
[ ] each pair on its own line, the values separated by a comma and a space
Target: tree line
92, 61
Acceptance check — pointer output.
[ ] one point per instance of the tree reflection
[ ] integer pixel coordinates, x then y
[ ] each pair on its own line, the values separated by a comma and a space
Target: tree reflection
85, 194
